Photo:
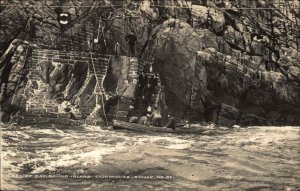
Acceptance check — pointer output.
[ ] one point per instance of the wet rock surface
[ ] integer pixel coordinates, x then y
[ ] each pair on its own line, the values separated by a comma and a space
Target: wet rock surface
236, 67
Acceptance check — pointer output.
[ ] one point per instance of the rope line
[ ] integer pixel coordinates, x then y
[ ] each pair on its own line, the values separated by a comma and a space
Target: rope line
95, 90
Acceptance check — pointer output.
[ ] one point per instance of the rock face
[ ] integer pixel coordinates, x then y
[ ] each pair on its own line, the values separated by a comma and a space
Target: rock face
13, 71
232, 66
225, 89
227, 66
247, 96
175, 49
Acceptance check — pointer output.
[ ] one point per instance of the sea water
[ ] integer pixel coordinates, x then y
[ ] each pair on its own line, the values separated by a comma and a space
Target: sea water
89, 158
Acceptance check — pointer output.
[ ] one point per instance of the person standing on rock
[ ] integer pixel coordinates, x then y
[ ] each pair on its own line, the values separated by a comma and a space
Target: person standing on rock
117, 50
155, 117
132, 115
143, 79
147, 94
171, 122
131, 40
153, 83
111, 102
146, 68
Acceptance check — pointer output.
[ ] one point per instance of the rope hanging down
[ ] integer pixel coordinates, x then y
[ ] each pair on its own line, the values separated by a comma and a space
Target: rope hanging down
97, 84
98, 32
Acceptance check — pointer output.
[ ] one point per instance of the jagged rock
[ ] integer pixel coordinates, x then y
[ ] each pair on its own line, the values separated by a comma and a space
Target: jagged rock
241, 84
257, 48
59, 73
229, 112
4, 117
256, 111
176, 46
207, 39
202, 14
87, 100
230, 59
273, 77
259, 97
273, 117
294, 71
227, 122
230, 100
223, 46
234, 38
46, 68
255, 62
79, 74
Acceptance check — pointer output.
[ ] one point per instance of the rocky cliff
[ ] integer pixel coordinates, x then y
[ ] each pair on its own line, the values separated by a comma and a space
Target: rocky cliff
221, 61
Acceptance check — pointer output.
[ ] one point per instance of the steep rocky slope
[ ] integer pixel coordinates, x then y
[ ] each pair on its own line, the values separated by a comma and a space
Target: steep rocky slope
218, 63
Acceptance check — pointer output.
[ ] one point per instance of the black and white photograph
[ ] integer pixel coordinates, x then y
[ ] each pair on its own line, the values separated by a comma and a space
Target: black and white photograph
150, 95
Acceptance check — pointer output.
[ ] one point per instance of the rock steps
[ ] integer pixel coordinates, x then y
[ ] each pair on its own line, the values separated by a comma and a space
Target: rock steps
42, 110
39, 109
133, 69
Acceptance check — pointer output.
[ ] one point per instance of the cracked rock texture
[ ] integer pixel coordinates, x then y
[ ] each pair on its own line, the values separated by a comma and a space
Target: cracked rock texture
218, 63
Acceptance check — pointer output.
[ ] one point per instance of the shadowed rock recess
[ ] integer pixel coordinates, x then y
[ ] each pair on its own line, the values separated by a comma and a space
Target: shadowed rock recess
217, 63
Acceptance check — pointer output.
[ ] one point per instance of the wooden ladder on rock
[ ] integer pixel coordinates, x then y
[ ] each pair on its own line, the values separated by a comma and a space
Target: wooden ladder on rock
100, 69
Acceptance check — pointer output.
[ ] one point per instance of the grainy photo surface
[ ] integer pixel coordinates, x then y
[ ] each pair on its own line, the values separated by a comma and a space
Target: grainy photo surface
150, 95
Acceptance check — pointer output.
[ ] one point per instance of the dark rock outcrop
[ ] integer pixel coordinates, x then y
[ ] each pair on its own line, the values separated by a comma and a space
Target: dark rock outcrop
229, 66
238, 74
